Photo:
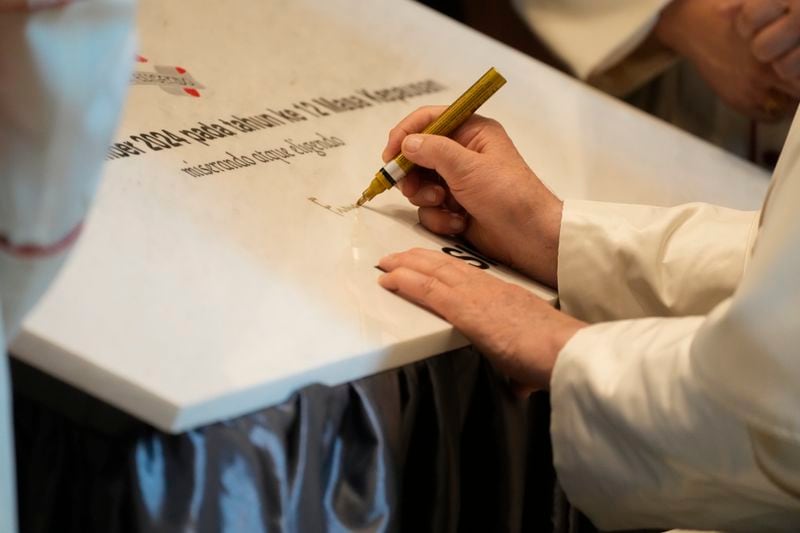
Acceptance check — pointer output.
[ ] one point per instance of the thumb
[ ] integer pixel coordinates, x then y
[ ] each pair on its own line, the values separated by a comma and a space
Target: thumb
444, 155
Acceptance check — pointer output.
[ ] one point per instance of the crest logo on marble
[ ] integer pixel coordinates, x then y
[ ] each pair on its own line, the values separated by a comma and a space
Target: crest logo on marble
171, 79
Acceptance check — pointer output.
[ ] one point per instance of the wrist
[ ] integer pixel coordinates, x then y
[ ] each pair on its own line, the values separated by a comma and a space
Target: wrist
541, 241
560, 337
552, 234
541, 347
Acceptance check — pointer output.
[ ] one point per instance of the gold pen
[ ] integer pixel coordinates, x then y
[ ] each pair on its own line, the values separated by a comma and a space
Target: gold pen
454, 116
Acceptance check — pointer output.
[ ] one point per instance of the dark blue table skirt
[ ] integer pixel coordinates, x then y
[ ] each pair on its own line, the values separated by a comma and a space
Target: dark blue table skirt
437, 446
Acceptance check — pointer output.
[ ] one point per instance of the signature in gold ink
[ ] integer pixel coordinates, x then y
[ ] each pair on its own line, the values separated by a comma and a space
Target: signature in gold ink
341, 210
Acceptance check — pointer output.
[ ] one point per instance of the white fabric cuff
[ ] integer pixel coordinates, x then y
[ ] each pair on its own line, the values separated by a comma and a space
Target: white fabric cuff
619, 261
639, 443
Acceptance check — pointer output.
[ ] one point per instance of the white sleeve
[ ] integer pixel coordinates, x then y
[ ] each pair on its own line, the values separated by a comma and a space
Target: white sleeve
748, 356
695, 421
618, 261
591, 35
639, 443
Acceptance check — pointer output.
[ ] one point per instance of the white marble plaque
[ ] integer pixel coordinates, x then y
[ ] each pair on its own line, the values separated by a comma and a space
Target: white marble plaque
207, 284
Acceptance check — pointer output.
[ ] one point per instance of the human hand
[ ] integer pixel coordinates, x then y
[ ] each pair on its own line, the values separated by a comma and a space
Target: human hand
520, 333
489, 195
773, 29
705, 32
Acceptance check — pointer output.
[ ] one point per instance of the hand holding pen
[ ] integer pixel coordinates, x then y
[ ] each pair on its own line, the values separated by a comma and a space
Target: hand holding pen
444, 123
477, 185
487, 192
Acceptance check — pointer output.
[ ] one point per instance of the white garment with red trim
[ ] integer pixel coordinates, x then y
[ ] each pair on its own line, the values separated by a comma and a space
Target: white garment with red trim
64, 68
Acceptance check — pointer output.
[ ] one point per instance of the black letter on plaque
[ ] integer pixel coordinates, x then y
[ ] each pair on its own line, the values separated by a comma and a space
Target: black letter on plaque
470, 259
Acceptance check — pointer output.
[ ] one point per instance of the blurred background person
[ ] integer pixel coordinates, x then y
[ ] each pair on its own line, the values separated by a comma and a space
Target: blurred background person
723, 70
64, 67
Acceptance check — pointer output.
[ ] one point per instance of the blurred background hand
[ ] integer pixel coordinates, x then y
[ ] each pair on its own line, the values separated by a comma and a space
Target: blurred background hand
711, 34
773, 29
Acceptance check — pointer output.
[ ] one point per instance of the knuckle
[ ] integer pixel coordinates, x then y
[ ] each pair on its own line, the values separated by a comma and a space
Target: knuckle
429, 286
434, 219
442, 268
434, 109
495, 124
395, 132
487, 122
759, 49
426, 112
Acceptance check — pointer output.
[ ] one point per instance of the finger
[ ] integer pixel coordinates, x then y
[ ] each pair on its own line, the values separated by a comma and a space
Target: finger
449, 271
428, 196
789, 87
755, 15
442, 221
410, 184
447, 157
419, 177
788, 67
777, 105
765, 97
776, 39
417, 121
467, 134
422, 289
413, 123
451, 204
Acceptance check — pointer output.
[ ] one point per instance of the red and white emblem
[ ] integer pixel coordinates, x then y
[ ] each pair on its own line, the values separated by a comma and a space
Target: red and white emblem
174, 80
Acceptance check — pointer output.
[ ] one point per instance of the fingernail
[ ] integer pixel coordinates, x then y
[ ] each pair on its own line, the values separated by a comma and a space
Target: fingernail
457, 224
385, 260
430, 195
412, 143
385, 281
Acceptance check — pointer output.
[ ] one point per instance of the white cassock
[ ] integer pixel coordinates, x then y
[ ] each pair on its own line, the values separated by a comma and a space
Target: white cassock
64, 68
605, 42
692, 419
680, 406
